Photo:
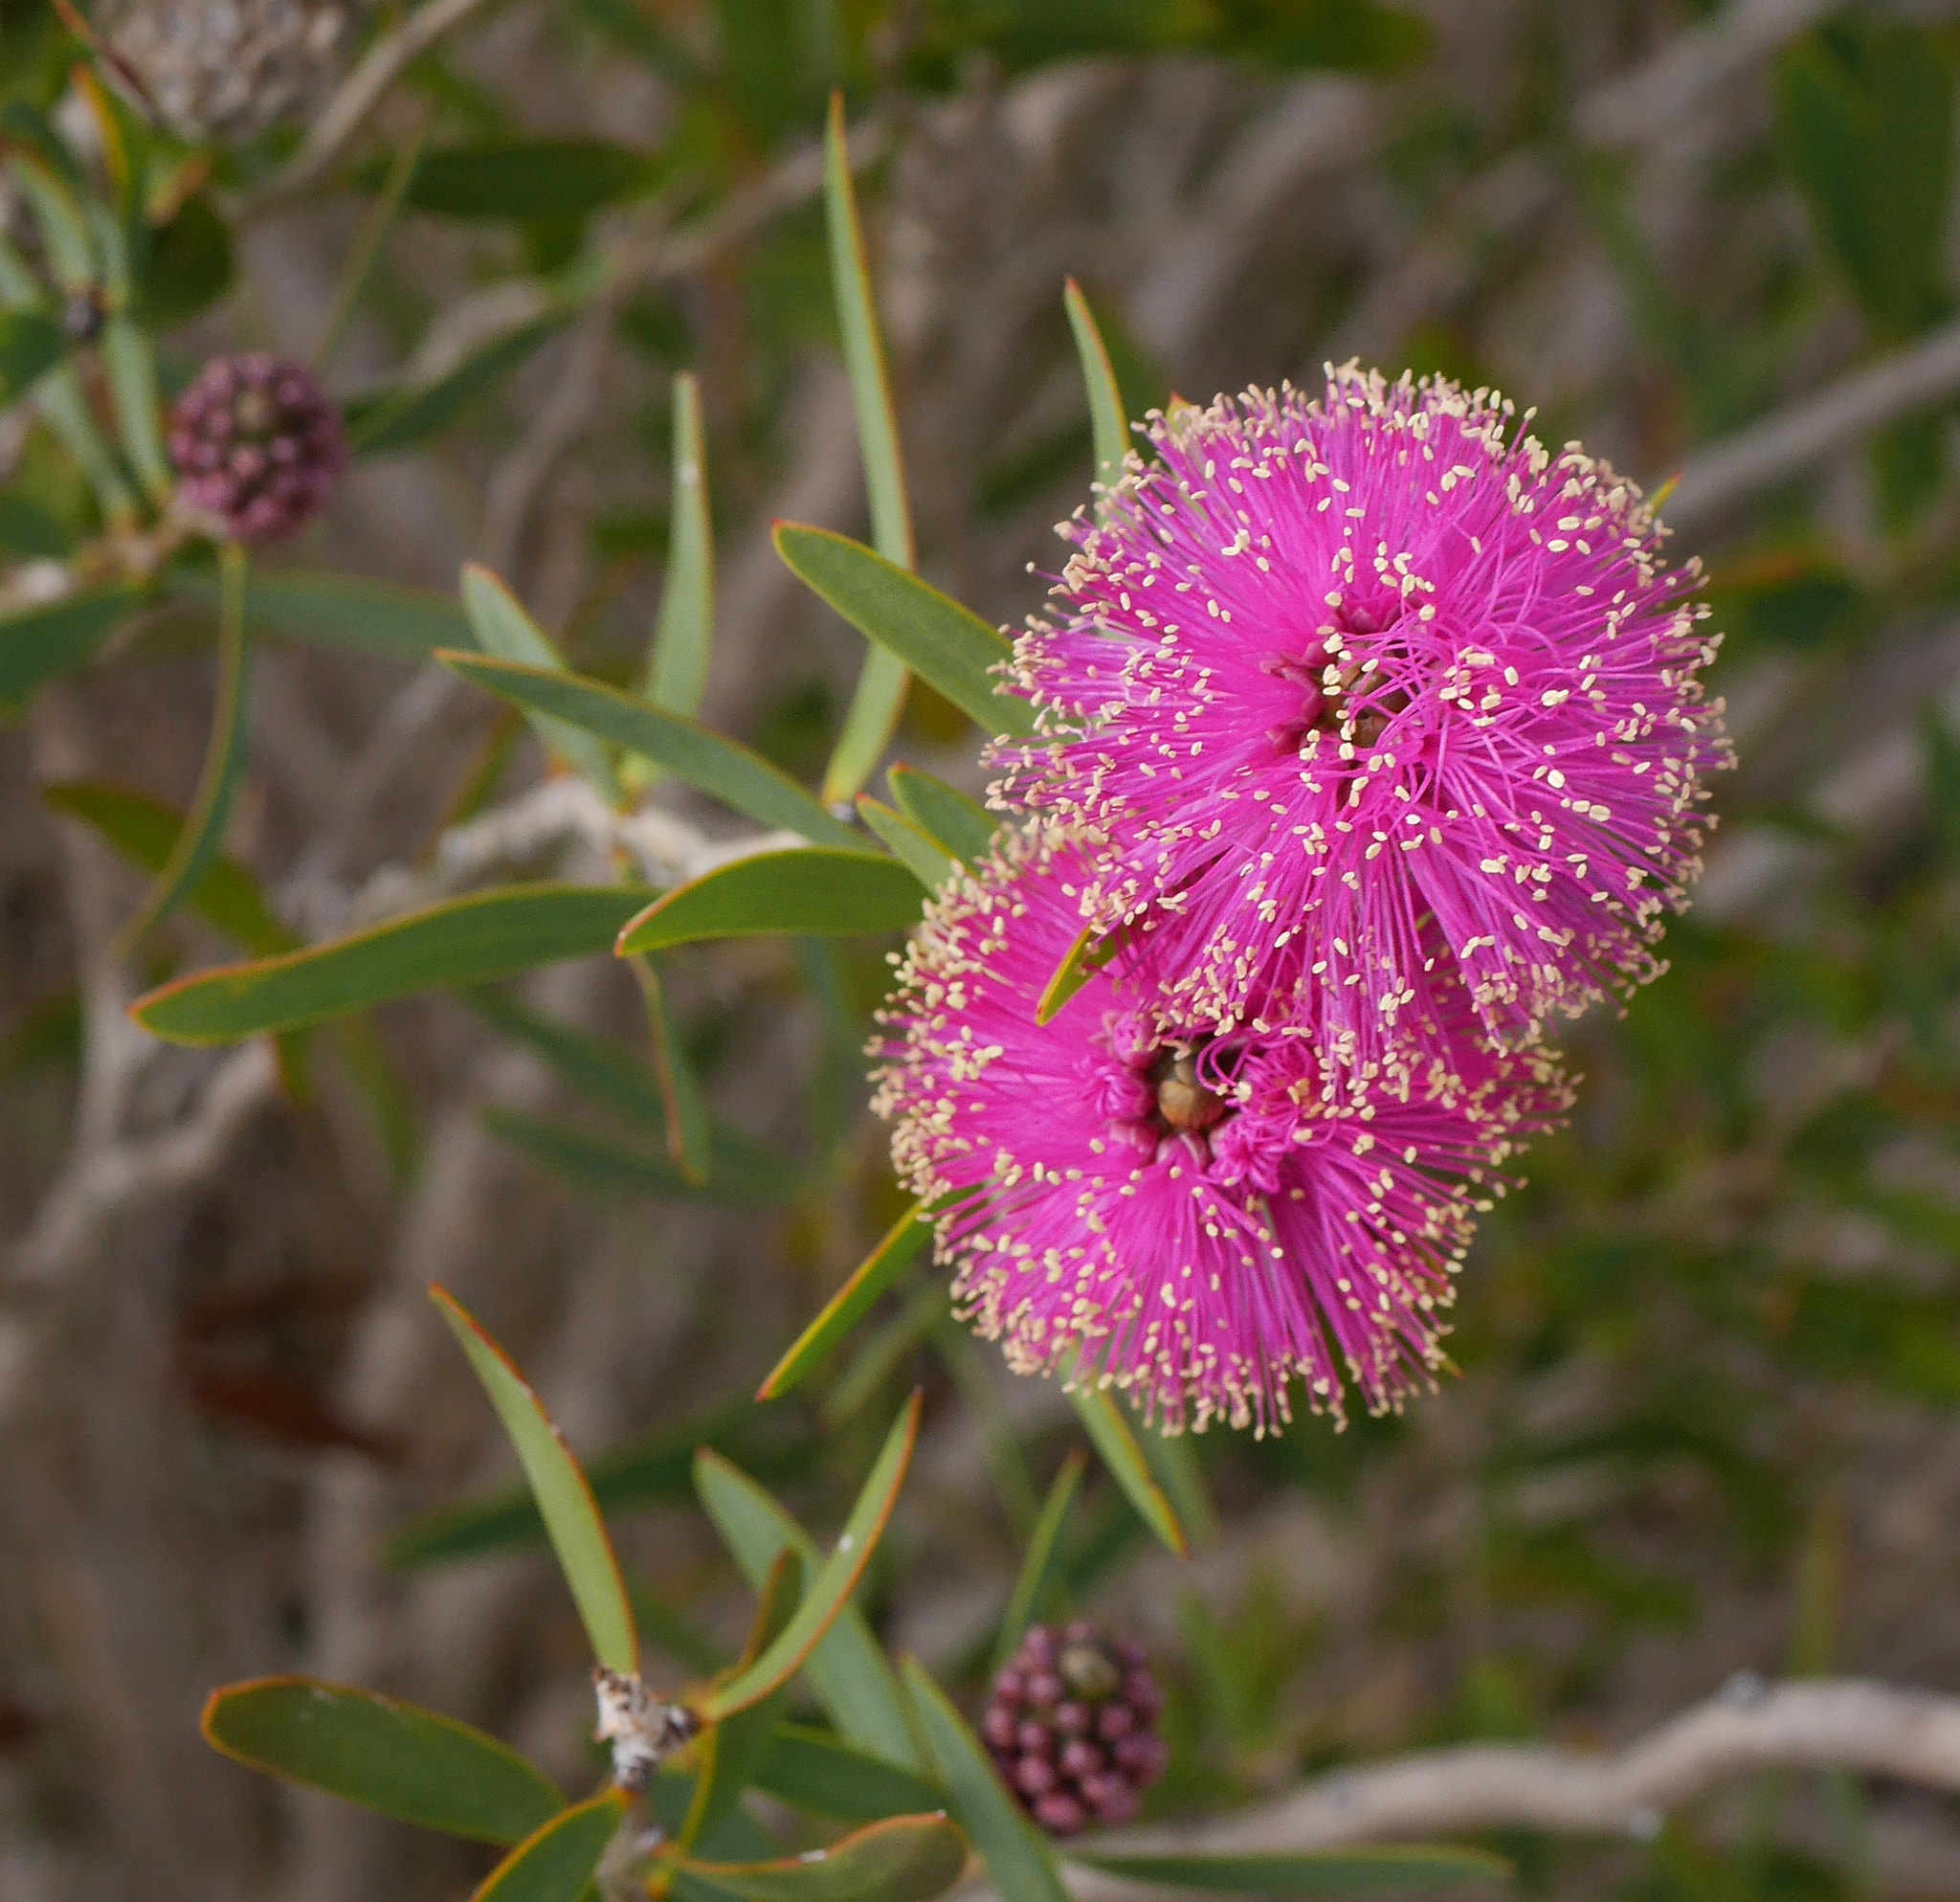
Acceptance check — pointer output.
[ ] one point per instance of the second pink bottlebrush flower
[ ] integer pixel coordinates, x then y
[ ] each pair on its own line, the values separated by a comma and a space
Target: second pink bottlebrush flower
1199, 1216
1363, 686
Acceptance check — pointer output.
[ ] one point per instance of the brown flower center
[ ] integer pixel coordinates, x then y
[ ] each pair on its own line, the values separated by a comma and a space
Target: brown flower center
1185, 1105
1354, 702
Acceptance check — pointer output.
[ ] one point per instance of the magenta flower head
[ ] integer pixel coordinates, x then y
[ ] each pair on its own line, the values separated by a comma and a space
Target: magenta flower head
1134, 1194
256, 445
1363, 686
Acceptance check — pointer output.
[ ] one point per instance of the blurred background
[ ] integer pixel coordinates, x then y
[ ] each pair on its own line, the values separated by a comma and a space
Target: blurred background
1704, 1415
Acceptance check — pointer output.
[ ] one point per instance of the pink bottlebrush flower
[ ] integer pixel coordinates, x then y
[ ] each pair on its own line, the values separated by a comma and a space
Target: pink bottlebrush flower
1194, 1215
1354, 682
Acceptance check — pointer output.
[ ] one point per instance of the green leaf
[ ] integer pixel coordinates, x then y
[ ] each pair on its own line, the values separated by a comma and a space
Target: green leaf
398, 417
190, 265
836, 1580
31, 345
70, 255
520, 179
1109, 1430
683, 637
851, 1303
819, 1773
1865, 114
903, 1858
411, 1764
571, 1513
1174, 1464
724, 769
1038, 1569
203, 837
1016, 1855
962, 826
881, 695
685, 1110
558, 1863
731, 1751
1307, 1872
57, 637
1070, 975
339, 611
227, 897
655, 1469
811, 892
741, 1174
1108, 426
504, 628
32, 531
132, 374
475, 940
939, 640
930, 863
599, 1068
848, 1668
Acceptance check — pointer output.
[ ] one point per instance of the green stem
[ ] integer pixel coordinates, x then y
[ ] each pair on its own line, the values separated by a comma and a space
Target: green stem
197, 845
367, 249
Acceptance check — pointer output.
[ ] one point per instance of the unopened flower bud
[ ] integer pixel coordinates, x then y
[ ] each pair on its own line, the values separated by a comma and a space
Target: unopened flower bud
1069, 1726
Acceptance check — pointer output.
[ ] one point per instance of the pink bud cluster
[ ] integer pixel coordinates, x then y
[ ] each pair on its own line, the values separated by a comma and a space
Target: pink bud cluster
256, 445
1072, 1727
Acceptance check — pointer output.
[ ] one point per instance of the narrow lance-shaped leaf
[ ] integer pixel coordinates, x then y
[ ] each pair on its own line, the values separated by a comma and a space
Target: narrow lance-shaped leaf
814, 892
1173, 1460
1108, 426
818, 1773
741, 1174
558, 1863
571, 1516
385, 422
724, 769
962, 826
848, 1668
1103, 1420
924, 857
1092, 952
686, 1112
339, 611
1039, 1567
944, 642
654, 1467
142, 830
835, 1582
874, 711
1361, 1871
1016, 1855
203, 836
411, 1764
505, 630
903, 1858
731, 1751
476, 940
130, 363
683, 637
367, 251
31, 345
57, 637
845, 1309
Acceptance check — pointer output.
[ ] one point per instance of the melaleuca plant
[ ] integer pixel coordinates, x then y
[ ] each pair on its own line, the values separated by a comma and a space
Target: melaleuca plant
1197, 1103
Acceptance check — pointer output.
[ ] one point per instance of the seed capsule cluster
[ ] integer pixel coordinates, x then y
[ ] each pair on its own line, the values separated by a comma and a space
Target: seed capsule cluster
257, 445
1072, 1727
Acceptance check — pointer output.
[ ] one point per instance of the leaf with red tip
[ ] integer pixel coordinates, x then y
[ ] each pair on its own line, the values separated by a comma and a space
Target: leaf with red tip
565, 1501
830, 1591
413, 1765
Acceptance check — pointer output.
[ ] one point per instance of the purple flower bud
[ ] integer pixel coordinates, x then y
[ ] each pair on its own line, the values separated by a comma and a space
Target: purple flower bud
1068, 1726
256, 445
1033, 1775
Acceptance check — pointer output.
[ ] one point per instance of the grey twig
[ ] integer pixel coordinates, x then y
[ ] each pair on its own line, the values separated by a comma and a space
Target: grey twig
359, 93
1645, 102
1846, 1724
1795, 439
